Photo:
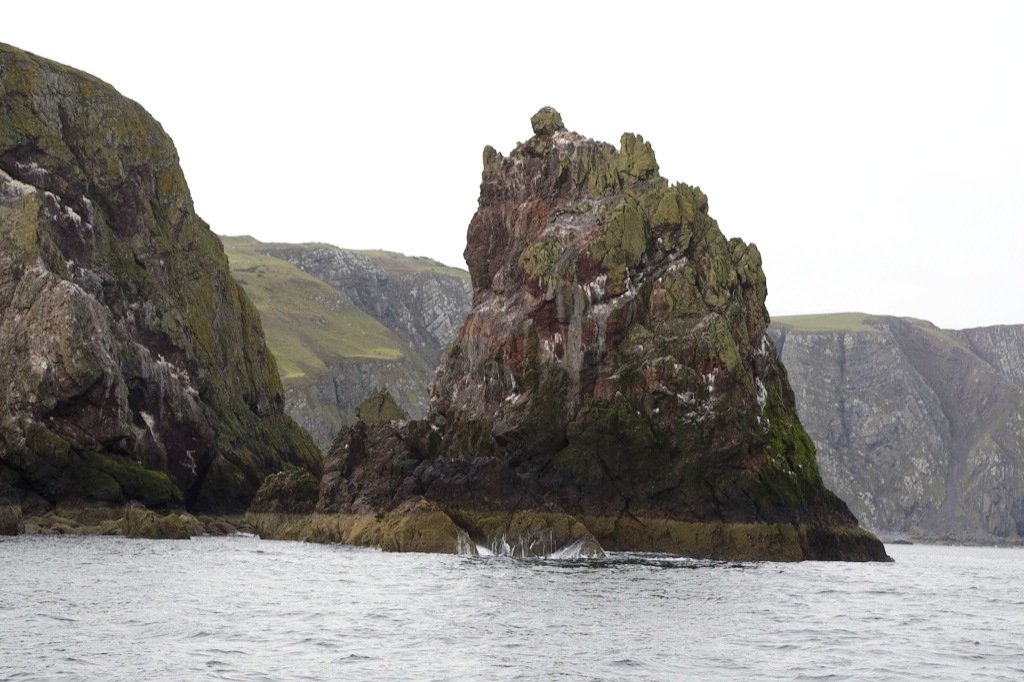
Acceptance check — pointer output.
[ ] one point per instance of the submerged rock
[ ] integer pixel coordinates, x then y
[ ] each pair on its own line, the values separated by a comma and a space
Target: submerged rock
613, 380
133, 367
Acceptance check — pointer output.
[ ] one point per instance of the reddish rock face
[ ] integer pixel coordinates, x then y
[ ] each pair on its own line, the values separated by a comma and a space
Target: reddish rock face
614, 364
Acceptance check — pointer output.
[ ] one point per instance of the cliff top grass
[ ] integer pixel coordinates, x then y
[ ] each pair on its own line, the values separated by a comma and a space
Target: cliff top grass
826, 322
391, 262
397, 264
306, 320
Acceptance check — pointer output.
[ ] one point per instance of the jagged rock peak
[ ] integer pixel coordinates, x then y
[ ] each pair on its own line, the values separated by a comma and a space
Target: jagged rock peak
546, 121
380, 408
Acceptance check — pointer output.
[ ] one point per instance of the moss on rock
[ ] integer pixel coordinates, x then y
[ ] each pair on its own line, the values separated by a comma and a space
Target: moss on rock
636, 159
546, 121
380, 408
11, 522
290, 491
540, 260
139, 522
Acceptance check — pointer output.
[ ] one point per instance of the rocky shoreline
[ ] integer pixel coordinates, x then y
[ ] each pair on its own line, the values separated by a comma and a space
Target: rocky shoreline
130, 521
425, 528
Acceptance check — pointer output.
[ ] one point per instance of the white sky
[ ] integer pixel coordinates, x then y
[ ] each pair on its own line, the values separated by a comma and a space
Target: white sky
873, 151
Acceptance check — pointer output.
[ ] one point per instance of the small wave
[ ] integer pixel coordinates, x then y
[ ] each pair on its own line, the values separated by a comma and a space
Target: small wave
59, 619
627, 663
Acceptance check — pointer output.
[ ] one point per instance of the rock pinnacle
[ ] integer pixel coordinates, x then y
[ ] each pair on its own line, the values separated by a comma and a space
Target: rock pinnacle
546, 121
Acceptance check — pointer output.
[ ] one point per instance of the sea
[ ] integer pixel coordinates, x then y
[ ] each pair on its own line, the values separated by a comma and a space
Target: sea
241, 608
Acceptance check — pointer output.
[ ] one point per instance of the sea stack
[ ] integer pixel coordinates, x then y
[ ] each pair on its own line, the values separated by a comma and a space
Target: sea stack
612, 388
132, 367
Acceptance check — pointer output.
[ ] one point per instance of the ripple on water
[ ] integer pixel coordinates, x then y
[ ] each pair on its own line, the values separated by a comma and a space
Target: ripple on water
241, 608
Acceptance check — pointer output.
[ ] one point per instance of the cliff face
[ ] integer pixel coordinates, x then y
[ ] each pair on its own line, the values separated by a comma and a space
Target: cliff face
612, 385
132, 365
346, 324
921, 430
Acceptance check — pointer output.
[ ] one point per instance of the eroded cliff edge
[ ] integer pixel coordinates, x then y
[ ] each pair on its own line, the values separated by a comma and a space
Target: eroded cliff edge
132, 365
612, 387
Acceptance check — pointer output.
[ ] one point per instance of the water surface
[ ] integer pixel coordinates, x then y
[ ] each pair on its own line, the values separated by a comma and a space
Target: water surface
239, 608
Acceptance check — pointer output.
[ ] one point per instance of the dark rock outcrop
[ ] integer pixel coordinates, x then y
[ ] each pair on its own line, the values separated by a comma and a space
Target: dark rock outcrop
920, 429
132, 365
291, 491
10, 518
612, 386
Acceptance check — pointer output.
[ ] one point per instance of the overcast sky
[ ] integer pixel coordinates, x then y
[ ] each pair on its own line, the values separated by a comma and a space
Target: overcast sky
873, 151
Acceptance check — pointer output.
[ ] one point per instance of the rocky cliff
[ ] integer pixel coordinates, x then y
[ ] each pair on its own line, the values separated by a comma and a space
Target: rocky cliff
612, 386
132, 365
921, 430
345, 324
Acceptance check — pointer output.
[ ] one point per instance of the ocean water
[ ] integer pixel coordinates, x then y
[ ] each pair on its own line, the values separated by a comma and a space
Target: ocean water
238, 608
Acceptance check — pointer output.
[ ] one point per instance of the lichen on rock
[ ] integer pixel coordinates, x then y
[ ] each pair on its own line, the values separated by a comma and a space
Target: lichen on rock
545, 122
11, 522
380, 408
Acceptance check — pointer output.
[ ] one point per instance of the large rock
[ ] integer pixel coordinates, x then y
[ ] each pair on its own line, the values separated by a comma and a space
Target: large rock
10, 518
920, 429
612, 382
132, 367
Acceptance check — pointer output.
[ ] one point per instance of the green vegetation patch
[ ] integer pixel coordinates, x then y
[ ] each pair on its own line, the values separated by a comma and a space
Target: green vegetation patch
306, 320
831, 322
154, 488
397, 264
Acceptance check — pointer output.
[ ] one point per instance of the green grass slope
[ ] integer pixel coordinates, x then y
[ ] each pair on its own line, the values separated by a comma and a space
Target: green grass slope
397, 264
306, 321
826, 322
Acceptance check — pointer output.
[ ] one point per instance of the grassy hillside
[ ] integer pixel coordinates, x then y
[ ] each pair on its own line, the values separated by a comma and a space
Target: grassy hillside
306, 321
397, 264
827, 322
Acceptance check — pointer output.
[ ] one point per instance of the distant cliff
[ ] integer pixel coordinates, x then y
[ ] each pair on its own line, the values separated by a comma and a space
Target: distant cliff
132, 367
920, 430
345, 324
